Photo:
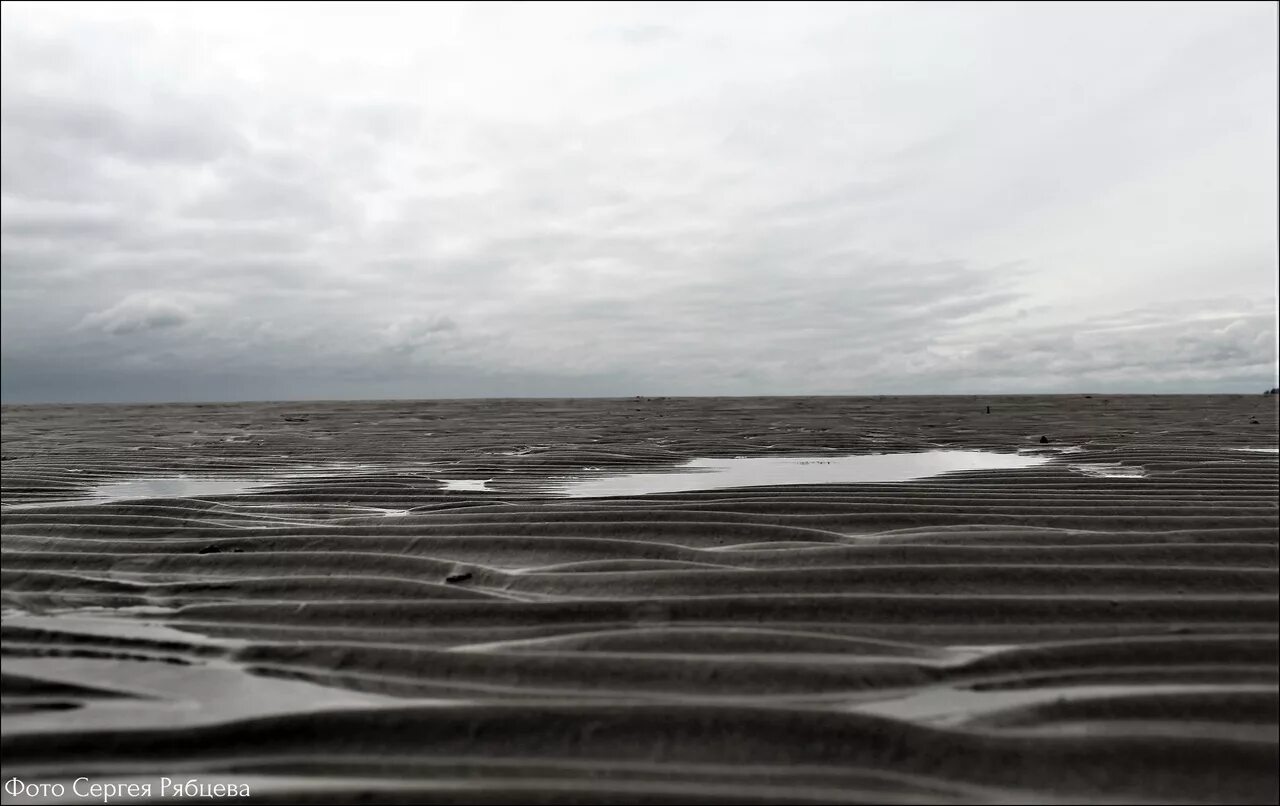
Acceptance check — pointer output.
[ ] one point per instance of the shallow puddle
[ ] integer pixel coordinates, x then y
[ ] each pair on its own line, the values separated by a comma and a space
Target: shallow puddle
953, 706
467, 485
165, 695
1113, 470
152, 693
158, 487
182, 486
175, 487
759, 471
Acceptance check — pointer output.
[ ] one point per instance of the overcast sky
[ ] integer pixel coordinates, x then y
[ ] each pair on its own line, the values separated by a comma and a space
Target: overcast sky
251, 201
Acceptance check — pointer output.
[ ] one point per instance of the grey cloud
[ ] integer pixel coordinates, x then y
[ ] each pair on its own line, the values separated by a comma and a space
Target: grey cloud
262, 188
1167, 348
645, 34
835, 199
176, 130
59, 222
410, 334
139, 312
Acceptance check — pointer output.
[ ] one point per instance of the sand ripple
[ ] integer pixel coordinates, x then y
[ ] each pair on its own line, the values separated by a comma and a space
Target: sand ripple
371, 624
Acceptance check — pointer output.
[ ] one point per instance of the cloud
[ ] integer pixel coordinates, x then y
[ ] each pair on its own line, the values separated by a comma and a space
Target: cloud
139, 312
60, 222
626, 199
169, 130
644, 34
408, 335
1153, 347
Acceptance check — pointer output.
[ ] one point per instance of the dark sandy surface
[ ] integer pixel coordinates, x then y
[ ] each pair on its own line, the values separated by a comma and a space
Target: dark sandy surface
360, 629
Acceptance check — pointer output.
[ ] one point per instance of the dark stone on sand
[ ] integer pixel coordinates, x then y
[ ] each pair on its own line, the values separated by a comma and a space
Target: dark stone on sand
1044, 440
454, 579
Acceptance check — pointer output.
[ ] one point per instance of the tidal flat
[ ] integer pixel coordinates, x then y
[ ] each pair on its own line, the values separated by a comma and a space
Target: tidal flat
659, 600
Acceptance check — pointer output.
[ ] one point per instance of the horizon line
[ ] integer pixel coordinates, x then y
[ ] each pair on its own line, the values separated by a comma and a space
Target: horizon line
1092, 393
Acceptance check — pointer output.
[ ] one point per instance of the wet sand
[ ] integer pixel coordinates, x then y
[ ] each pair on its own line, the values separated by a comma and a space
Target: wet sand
411, 610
